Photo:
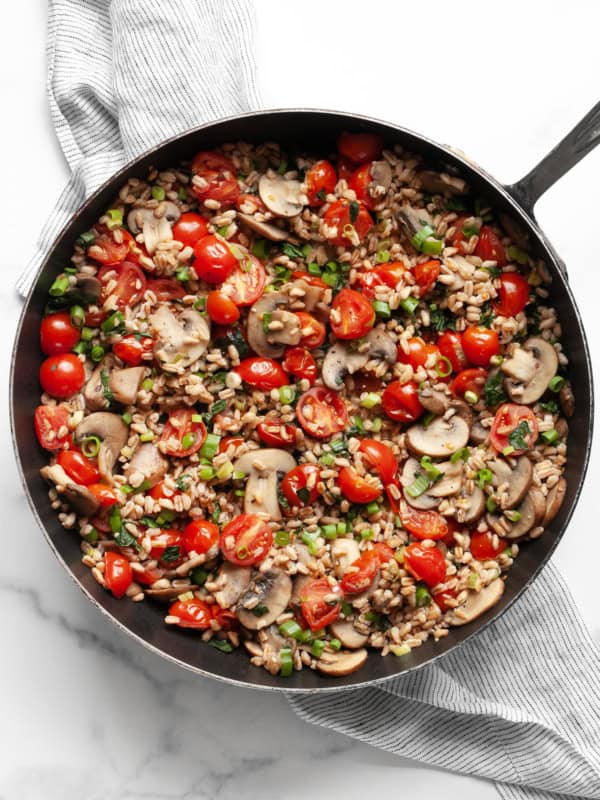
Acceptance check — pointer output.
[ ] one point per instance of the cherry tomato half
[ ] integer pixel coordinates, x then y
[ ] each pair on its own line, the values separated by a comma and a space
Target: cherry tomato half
220, 176
320, 181
191, 613
250, 204
160, 491
360, 147
400, 401
313, 331
49, 421
246, 540
117, 573
489, 247
390, 275
262, 373
423, 524
360, 181
513, 294
247, 281
320, 603
213, 260
480, 344
300, 363
426, 275
380, 458
510, 417
450, 346
199, 536
352, 315
62, 376
426, 564
482, 545
129, 287
361, 574
221, 309
103, 494
443, 599
275, 433
162, 541
469, 380
355, 488
105, 250
299, 485
131, 350
190, 228
419, 353
181, 435
347, 220
321, 412
78, 467
165, 289
58, 334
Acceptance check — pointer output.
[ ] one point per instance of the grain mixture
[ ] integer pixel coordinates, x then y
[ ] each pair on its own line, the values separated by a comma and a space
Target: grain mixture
312, 405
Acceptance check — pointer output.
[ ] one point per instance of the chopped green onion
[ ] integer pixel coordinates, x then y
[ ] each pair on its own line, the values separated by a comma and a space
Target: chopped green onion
80, 347
77, 315
556, 384
307, 635
210, 445
97, 353
550, 436
310, 540
470, 230
419, 486
114, 323
432, 247
206, 473
222, 645
59, 287
370, 400
114, 519
366, 534
332, 266
287, 662
238, 475
197, 418
182, 274
282, 168
147, 384
491, 505
508, 450
382, 309
327, 459
306, 250
455, 204
472, 580
423, 233
372, 508
496, 360
471, 397
330, 279
353, 208
90, 446
359, 425
409, 304
335, 644
92, 536
376, 424
291, 251
383, 256
282, 538
513, 516
266, 321
115, 218
313, 268
399, 649
338, 445
447, 367
290, 628
341, 528
463, 454
329, 531
86, 239
147, 436
225, 471
182, 193
166, 515
518, 255
259, 249
87, 334
432, 472
422, 596
127, 418
222, 231
484, 476
317, 648
200, 304
287, 395
158, 193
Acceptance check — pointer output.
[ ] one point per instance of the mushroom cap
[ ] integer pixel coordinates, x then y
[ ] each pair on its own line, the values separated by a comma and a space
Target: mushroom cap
425, 501
259, 340
273, 589
148, 460
348, 635
441, 183
87, 288
341, 663
529, 370
231, 582
381, 175
433, 400
451, 481
478, 434
298, 583
476, 604
341, 360
440, 438
180, 340
155, 229
81, 500
262, 467
566, 399
518, 478
265, 229
554, 501
281, 196
413, 219
344, 552
113, 434
475, 508
532, 510
125, 383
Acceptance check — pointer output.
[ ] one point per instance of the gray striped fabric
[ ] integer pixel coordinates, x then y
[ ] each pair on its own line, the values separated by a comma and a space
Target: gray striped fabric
520, 704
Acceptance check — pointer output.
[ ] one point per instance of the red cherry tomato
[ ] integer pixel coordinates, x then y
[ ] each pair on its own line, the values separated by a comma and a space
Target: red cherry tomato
189, 228
360, 147
130, 284
49, 422
221, 309
385, 554
443, 599
58, 334
313, 331
489, 247
78, 467
300, 363
345, 168
247, 281
426, 275
320, 603
299, 485
400, 401
149, 576
482, 545
117, 573
355, 488
346, 219
450, 346
262, 373
423, 524
469, 380
359, 182
181, 435
352, 315
426, 564
162, 541
62, 376
366, 382
213, 260
321, 412
250, 204
103, 494
191, 613
275, 433
320, 181
380, 458
224, 618
419, 353
220, 176
160, 491
459, 238
246, 540
513, 294
312, 280
165, 289
132, 350
105, 250
230, 441
480, 344
385, 275
199, 536
509, 417
361, 574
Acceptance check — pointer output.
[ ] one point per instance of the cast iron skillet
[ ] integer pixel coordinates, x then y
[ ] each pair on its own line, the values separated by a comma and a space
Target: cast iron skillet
310, 130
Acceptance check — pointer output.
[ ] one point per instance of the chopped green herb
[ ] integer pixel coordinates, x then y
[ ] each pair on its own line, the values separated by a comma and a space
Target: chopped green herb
493, 390
216, 513
108, 395
183, 481
172, 553
222, 645
321, 195
556, 384
158, 193
182, 274
303, 494
518, 255
551, 406
455, 204
86, 239
282, 168
422, 596
440, 319
215, 409
199, 576
260, 610
291, 250
260, 249
516, 438
484, 476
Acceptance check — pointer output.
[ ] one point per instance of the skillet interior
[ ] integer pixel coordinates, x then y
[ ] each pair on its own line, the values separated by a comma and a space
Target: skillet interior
315, 130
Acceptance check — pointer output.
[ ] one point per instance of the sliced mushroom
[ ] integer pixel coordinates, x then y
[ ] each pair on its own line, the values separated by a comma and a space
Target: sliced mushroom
88, 289
341, 360
424, 501
566, 399
167, 593
529, 370
413, 219
441, 183
271, 344
181, 340
531, 513
477, 603
341, 663
262, 467
309, 296
451, 481
348, 635
381, 175
281, 196
265, 229
475, 507
113, 434
154, 229
97, 391
271, 638
478, 434
81, 500
147, 460
554, 501
231, 582
462, 410
268, 591
298, 584
440, 438
125, 383
517, 478
344, 552
381, 346
434, 400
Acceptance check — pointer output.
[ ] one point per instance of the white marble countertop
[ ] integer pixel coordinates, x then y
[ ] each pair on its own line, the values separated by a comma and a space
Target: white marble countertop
89, 714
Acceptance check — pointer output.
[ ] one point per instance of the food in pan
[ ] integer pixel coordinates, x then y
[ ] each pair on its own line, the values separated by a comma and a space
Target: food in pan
313, 403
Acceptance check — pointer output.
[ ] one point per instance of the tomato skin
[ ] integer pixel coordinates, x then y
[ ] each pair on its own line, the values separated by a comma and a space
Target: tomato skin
442, 598
262, 373
131, 351
160, 540
508, 416
480, 344
165, 289
513, 294
469, 380
359, 182
250, 204
367, 565
130, 283
489, 247
149, 576
320, 179
62, 376
105, 250
246, 540
426, 275
360, 147
312, 280
189, 228
352, 315
274, 433
178, 426
313, 331
385, 554
221, 309
339, 215
199, 536
160, 491
450, 346
419, 352
459, 239
48, 420
228, 441
300, 363
423, 524
400, 401
58, 334
192, 613
296, 480
380, 458
321, 412
315, 609
213, 260
103, 494
385, 275
78, 467
355, 488
117, 573
244, 286
482, 546
220, 174
426, 564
